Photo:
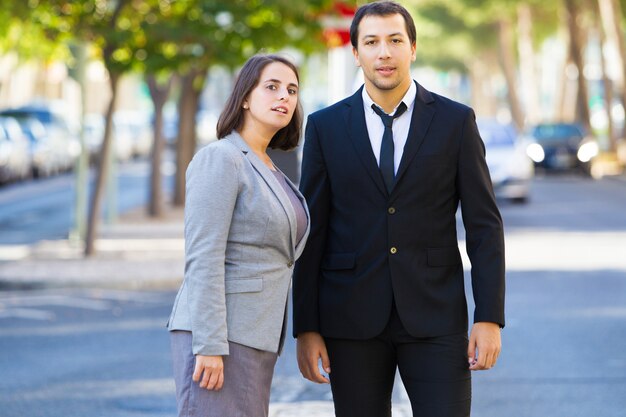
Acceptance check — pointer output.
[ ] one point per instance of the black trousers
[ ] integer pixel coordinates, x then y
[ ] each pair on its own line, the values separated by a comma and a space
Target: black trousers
434, 371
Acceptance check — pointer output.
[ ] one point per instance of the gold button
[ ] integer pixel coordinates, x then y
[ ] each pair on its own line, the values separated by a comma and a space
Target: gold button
289, 264
393, 250
391, 210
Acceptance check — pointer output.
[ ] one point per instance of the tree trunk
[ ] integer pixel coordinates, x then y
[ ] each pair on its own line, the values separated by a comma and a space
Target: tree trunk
562, 81
483, 98
102, 173
505, 38
611, 13
159, 94
608, 97
527, 63
576, 49
192, 85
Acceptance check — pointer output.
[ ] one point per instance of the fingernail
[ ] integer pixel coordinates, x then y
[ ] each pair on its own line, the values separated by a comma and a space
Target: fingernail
327, 370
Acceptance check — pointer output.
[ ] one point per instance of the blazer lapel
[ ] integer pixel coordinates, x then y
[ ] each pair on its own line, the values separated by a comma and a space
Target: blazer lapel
299, 247
271, 181
357, 128
422, 115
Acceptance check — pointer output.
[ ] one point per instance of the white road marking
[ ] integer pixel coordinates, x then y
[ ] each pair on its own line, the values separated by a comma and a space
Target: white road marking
27, 313
58, 300
14, 252
74, 329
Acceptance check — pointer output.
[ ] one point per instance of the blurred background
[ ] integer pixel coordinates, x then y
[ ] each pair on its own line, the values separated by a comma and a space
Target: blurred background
98, 83
103, 103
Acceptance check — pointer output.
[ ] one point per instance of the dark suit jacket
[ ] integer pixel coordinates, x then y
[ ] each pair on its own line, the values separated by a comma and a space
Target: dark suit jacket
367, 248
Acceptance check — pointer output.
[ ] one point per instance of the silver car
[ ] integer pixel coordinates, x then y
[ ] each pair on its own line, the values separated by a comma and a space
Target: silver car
510, 167
54, 145
15, 156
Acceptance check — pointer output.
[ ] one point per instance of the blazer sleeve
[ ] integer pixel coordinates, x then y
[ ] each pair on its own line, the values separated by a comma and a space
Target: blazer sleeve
483, 226
211, 195
315, 187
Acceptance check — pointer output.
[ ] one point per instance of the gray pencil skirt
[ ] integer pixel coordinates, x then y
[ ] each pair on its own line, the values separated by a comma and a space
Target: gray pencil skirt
248, 376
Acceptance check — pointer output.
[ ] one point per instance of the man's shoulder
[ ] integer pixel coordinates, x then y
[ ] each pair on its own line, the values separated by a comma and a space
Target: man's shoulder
332, 111
449, 104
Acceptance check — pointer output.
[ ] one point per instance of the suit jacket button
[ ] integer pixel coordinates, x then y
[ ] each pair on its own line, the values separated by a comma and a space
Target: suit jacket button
393, 250
391, 210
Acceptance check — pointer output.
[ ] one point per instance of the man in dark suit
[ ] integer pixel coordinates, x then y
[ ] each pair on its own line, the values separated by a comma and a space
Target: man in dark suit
380, 285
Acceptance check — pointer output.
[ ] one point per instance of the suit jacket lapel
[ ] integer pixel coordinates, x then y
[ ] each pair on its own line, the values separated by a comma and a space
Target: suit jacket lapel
357, 128
271, 181
422, 115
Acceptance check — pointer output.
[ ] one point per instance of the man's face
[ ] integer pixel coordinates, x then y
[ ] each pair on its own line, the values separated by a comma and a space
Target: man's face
384, 52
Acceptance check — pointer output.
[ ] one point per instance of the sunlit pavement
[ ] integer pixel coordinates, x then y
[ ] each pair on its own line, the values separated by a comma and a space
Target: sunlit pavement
105, 352
320, 409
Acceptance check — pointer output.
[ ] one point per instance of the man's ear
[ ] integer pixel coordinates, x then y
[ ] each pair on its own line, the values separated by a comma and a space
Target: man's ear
355, 52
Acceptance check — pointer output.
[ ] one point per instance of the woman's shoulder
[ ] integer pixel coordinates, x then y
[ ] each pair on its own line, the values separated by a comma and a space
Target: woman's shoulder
219, 149
219, 156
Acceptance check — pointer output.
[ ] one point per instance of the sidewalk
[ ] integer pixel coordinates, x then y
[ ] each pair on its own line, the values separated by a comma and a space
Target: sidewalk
137, 252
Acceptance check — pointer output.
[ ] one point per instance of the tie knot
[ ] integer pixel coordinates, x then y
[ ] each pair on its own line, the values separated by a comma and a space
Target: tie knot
387, 119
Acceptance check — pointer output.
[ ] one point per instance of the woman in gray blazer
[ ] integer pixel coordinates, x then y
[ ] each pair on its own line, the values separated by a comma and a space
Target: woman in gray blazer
245, 225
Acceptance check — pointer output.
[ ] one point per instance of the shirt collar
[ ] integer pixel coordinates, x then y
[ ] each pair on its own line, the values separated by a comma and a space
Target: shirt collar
408, 99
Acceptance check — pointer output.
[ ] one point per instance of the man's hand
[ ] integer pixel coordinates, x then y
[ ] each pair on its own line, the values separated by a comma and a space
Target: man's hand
311, 347
484, 346
209, 371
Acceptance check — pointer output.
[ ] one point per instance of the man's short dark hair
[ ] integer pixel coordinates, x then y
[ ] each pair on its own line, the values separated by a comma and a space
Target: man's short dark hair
381, 8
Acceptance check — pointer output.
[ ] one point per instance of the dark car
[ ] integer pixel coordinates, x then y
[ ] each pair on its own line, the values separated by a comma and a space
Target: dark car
562, 147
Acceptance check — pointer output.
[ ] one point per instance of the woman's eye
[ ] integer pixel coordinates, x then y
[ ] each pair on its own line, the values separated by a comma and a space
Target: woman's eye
292, 91
271, 87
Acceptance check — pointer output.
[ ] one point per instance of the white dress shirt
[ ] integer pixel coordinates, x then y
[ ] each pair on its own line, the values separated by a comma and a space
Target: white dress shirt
401, 124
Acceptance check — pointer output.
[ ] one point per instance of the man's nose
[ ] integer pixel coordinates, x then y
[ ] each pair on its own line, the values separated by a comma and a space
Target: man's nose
383, 52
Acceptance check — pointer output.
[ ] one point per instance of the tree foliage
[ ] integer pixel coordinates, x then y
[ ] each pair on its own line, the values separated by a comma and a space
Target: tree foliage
452, 32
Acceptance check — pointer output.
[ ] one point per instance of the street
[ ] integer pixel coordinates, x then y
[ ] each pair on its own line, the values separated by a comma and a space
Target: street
95, 352
38, 209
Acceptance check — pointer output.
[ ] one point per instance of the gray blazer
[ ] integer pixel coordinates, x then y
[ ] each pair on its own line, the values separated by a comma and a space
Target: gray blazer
240, 233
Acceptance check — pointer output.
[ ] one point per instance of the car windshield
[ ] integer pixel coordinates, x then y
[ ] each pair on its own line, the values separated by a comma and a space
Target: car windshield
556, 133
497, 135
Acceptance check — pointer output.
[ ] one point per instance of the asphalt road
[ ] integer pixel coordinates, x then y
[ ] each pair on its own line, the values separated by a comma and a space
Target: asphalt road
44, 208
105, 353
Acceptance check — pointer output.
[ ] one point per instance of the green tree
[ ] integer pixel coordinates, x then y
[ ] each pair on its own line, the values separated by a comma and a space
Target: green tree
237, 29
111, 26
471, 34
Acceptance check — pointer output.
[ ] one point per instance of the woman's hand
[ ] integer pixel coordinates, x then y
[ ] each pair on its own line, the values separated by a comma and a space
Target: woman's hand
209, 371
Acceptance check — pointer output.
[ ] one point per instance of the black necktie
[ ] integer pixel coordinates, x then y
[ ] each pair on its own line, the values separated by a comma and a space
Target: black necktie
386, 147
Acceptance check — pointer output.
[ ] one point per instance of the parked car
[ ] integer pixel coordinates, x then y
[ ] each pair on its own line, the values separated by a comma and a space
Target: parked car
54, 144
132, 134
94, 133
136, 126
15, 159
510, 167
562, 147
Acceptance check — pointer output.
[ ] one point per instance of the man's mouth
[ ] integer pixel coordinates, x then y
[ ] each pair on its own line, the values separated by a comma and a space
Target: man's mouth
385, 70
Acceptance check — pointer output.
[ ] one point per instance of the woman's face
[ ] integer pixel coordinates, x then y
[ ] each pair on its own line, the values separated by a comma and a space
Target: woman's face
272, 103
